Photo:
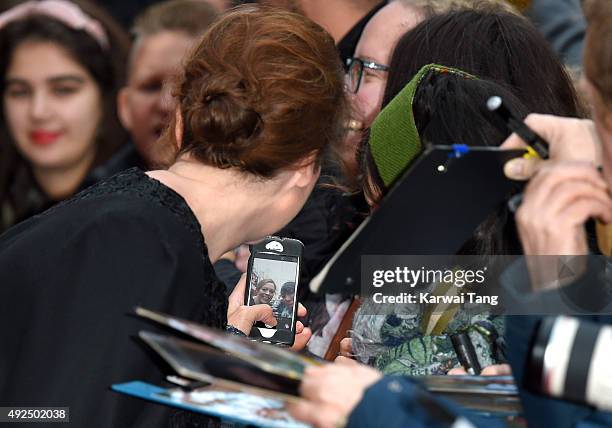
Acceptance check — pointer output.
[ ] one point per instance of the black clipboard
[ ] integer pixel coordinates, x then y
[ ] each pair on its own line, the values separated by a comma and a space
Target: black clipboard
433, 209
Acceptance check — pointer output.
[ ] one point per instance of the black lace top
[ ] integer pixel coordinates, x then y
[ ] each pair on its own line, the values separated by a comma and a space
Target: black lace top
69, 276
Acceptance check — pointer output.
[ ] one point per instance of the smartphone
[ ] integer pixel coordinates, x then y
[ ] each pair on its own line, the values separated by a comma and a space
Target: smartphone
273, 273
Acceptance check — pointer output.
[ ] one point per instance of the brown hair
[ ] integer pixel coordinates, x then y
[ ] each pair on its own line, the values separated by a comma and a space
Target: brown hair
264, 282
598, 62
262, 91
189, 16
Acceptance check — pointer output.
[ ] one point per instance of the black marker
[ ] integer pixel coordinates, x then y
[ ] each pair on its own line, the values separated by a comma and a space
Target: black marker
466, 353
533, 140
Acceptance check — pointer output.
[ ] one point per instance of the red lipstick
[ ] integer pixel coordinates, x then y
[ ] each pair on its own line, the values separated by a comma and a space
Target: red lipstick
44, 138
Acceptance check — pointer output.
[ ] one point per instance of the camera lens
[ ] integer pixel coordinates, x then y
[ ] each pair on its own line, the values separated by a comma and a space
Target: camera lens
570, 359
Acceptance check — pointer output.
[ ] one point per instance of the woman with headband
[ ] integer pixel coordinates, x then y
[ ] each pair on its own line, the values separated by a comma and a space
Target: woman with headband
61, 66
259, 103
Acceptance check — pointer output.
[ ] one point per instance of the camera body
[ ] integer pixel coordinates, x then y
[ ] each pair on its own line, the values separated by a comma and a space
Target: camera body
273, 273
570, 359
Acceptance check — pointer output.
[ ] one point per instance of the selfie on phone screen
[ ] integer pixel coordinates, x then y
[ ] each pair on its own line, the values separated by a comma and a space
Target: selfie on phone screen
273, 283
273, 272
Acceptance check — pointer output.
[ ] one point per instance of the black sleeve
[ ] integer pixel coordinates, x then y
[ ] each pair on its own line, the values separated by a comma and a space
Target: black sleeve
227, 272
67, 284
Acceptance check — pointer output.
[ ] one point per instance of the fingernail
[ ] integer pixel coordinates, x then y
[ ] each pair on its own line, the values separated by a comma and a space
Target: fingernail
514, 169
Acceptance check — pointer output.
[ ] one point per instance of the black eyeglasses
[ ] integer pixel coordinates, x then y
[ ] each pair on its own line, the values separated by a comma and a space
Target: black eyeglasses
355, 68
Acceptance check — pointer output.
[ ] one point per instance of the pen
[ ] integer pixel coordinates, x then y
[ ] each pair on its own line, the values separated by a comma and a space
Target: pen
496, 105
466, 353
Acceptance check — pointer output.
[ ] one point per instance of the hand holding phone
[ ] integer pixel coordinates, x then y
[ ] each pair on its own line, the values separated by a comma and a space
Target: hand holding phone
272, 279
242, 317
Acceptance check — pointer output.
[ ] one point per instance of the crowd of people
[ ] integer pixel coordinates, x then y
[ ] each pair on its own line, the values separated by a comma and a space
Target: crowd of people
134, 170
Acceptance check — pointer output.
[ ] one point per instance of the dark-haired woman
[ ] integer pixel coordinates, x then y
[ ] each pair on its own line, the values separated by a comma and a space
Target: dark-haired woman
260, 102
60, 68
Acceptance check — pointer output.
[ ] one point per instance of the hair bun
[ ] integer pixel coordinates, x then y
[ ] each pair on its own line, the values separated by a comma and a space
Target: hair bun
226, 121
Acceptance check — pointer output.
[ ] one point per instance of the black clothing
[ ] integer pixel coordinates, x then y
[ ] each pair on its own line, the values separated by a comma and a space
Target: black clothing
126, 157
69, 276
327, 219
346, 46
24, 198
227, 272
33, 199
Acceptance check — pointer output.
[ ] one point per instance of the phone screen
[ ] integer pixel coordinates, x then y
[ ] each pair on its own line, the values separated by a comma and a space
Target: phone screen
274, 282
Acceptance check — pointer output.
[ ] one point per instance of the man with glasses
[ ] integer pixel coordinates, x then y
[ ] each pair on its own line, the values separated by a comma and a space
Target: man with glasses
367, 70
